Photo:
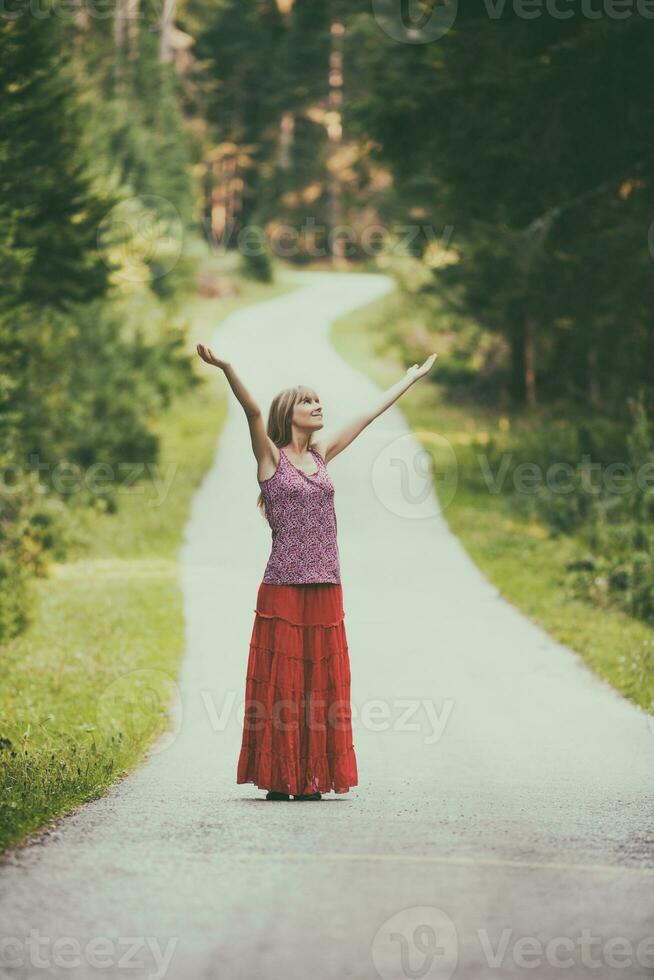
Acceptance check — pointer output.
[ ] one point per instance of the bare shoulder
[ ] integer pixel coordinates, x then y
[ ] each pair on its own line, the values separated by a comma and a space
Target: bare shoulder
320, 446
327, 447
267, 466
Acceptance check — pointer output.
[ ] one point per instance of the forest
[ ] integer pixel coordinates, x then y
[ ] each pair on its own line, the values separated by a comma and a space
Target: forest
497, 160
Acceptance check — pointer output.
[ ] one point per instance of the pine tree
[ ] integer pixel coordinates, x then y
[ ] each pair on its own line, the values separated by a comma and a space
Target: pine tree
51, 210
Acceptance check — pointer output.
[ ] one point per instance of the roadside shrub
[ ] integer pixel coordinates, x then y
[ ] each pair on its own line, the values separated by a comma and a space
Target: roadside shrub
257, 265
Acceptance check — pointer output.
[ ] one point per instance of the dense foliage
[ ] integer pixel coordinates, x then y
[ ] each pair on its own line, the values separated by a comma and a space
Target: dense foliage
88, 350
529, 137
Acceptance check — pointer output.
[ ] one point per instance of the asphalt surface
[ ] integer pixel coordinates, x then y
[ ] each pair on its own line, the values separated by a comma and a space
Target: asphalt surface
503, 821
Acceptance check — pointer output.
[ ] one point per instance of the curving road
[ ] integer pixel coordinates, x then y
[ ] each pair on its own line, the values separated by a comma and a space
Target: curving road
503, 822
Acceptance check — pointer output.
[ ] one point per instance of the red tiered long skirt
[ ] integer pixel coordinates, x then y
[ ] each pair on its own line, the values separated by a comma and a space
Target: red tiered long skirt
297, 728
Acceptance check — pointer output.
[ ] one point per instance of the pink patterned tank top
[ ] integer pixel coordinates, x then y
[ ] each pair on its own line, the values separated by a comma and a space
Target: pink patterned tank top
300, 511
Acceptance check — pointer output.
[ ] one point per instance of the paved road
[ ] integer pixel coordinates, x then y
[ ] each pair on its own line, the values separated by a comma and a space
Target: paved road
502, 825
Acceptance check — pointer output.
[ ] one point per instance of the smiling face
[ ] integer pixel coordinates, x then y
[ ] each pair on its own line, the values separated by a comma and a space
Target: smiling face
307, 411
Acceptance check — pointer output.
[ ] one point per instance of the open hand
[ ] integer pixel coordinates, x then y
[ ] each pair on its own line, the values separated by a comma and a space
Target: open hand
208, 355
415, 372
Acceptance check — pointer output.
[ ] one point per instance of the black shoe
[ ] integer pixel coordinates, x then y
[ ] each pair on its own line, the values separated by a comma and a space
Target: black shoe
308, 796
273, 795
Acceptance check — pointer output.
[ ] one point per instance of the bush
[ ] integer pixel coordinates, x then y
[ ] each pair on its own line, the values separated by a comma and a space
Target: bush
257, 265
613, 523
35, 525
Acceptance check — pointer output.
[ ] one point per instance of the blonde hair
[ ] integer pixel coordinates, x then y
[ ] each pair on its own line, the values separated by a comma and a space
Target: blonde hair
280, 418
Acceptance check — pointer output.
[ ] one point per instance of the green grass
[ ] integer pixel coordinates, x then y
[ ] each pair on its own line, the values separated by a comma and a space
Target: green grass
87, 687
515, 553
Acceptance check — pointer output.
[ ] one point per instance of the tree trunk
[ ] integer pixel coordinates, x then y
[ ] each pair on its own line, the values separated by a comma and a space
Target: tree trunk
593, 379
119, 39
81, 18
286, 133
133, 11
335, 137
167, 26
126, 32
530, 360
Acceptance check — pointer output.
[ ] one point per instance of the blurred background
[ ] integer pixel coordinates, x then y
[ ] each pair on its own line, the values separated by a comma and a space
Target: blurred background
164, 163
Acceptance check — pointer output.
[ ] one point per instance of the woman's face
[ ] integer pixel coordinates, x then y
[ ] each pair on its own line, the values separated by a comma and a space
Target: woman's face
307, 413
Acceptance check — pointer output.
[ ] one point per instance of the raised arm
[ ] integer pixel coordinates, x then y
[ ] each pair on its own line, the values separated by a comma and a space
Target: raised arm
330, 445
265, 451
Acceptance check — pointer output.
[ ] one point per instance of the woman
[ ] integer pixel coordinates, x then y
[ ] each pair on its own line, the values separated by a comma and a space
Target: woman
297, 733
